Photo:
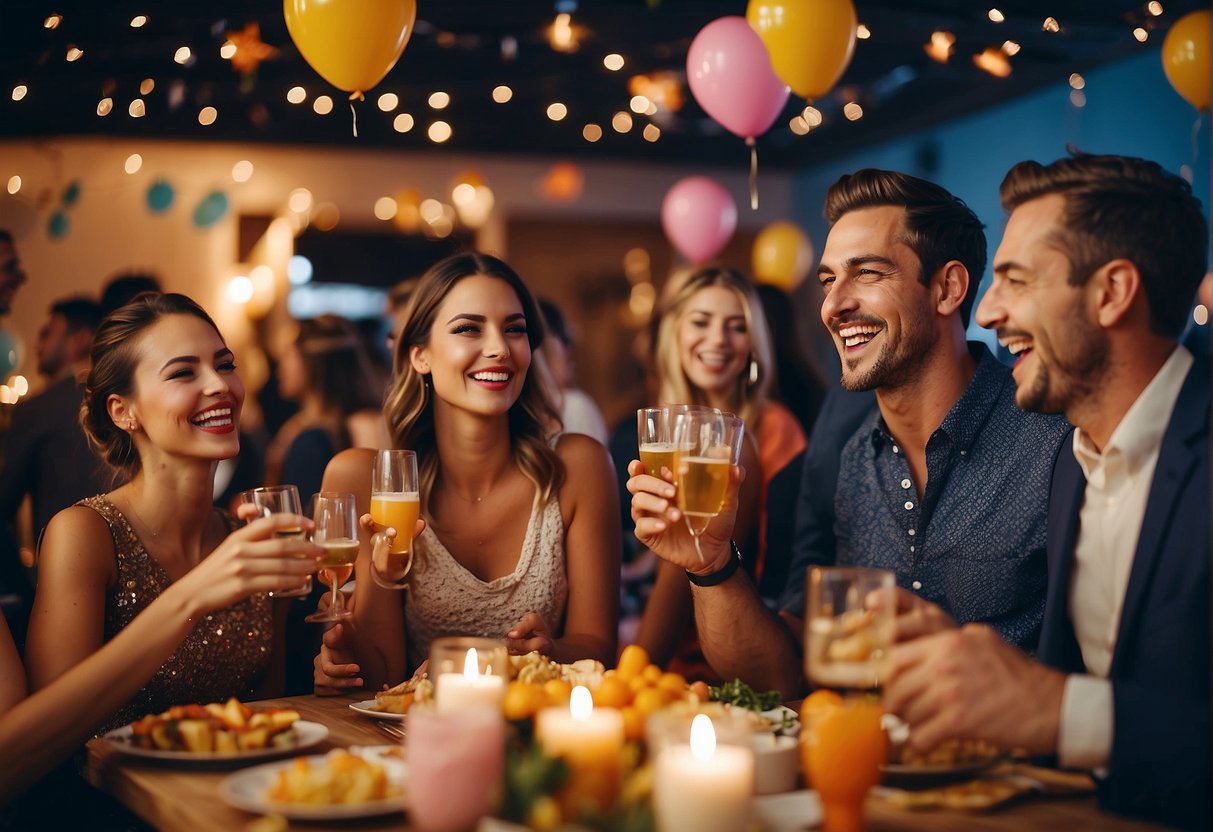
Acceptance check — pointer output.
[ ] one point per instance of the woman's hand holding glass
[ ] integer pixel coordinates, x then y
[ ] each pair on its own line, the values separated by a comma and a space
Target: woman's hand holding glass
280, 500
394, 519
254, 558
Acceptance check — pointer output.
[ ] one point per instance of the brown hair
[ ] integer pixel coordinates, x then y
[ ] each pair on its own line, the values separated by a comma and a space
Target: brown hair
1123, 207
939, 226
747, 400
336, 366
409, 409
114, 356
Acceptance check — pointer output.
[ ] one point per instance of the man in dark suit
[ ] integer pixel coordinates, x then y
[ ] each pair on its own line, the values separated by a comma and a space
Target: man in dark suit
1093, 284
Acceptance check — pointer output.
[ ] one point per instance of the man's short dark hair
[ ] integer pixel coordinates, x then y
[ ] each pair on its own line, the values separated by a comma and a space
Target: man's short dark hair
1124, 207
79, 312
122, 289
939, 226
6, 236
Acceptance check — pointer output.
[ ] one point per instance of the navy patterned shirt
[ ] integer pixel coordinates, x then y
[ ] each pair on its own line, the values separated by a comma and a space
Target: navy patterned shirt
975, 543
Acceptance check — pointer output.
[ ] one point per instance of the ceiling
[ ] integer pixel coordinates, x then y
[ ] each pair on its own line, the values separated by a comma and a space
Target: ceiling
467, 47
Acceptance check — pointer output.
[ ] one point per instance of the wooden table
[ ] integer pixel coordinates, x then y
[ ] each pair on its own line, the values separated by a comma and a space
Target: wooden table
188, 799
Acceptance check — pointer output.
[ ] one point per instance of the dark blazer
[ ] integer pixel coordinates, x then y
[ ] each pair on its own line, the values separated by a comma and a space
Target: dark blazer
1160, 673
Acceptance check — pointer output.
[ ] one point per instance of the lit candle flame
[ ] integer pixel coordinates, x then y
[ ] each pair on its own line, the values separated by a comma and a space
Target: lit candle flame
703, 738
581, 704
471, 664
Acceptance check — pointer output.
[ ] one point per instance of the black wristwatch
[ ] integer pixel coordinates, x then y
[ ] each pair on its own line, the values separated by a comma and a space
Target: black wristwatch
720, 575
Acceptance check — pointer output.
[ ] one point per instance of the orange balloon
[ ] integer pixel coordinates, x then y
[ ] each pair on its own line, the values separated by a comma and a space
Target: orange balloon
351, 43
810, 41
1185, 58
782, 256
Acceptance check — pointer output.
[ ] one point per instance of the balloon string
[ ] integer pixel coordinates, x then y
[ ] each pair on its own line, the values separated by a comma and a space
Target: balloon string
1200, 117
753, 173
356, 95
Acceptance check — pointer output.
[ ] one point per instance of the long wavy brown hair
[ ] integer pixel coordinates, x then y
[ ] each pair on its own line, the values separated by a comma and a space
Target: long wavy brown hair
409, 406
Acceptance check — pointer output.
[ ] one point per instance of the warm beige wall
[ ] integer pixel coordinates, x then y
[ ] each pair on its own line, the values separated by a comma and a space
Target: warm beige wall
111, 229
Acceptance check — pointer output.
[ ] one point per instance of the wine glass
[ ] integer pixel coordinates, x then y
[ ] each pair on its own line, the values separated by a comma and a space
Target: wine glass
395, 502
849, 627
706, 444
280, 499
655, 427
336, 517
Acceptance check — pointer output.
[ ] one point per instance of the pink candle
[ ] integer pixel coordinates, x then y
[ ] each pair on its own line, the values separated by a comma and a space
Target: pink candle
456, 767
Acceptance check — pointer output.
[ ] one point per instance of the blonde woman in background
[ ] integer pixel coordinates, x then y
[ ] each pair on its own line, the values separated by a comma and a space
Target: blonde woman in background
520, 539
714, 348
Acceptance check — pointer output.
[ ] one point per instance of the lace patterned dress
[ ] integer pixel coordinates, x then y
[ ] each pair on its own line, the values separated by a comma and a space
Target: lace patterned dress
445, 599
222, 656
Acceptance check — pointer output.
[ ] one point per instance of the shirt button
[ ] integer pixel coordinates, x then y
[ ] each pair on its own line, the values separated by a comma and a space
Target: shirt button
909, 505
906, 483
917, 585
896, 449
910, 532
911, 549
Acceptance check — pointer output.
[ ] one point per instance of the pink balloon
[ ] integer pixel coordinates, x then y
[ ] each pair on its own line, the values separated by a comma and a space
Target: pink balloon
729, 70
699, 217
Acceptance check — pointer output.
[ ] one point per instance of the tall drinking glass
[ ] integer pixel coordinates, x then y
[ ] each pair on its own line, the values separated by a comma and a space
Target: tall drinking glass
706, 444
848, 634
336, 518
280, 499
395, 500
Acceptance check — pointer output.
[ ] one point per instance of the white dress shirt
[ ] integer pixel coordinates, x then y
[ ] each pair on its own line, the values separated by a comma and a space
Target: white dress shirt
1113, 507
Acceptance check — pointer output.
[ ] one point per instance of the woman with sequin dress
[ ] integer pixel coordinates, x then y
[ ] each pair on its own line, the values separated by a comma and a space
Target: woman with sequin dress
520, 539
161, 406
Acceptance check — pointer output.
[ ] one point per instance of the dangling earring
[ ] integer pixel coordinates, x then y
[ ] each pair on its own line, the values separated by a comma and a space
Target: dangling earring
753, 371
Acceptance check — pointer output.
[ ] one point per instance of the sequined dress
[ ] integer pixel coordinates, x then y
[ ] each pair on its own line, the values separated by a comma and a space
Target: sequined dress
222, 656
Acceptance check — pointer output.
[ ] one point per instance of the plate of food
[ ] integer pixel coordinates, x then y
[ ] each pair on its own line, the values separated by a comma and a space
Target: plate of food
216, 734
373, 709
344, 784
393, 703
951, 762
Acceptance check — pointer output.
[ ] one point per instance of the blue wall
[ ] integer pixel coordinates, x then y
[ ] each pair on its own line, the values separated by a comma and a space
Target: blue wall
1130, 109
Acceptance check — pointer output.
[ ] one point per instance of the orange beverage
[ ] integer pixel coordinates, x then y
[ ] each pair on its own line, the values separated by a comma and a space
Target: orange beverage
339, 574
400, 511
842, 749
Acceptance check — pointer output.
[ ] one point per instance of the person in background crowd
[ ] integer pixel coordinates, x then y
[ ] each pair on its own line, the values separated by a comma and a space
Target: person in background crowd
123, 288
945, 483
46, 455
714, 348
520, 538
161, 405
578, 412
12, 276
798, 383
325, 370
1092, 286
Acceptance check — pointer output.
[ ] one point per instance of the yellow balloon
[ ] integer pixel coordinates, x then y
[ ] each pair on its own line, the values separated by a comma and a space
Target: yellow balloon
351, 43
810, 41
1185, 58
783, 255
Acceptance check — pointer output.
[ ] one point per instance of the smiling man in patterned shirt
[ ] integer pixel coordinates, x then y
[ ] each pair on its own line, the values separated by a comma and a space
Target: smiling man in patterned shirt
946, 482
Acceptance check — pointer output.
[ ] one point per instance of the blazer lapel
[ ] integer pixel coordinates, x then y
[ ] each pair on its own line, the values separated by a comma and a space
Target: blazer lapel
1177, 459
1058, 646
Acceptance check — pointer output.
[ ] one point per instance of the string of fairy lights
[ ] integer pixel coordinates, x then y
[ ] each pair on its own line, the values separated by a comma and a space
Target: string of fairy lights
655, 96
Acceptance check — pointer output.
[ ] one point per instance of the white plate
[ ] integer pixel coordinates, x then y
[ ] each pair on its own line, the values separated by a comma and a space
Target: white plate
248, 789
788, 812
307, 734
365, 707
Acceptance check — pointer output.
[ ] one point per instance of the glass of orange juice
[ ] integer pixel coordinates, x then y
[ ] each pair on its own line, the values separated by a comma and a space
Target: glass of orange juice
395, 502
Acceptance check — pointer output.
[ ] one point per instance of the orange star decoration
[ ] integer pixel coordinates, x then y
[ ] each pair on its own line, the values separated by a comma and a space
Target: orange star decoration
250, 49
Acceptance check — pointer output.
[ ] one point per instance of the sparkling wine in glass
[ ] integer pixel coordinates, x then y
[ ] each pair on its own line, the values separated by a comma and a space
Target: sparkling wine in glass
706, 444
280, 499
849, 627
336, 518
395, 500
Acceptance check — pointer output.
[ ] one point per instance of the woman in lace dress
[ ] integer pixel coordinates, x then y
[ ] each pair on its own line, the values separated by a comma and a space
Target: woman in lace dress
161, 406
520, 539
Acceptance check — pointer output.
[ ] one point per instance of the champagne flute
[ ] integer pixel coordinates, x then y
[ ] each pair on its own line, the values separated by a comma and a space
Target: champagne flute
655, 439
706, 444
395, 501
280, 499
848, 629
336, 530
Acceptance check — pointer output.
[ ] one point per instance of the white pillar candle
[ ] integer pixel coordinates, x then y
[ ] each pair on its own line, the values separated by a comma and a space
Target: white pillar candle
702, 787
461, 691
